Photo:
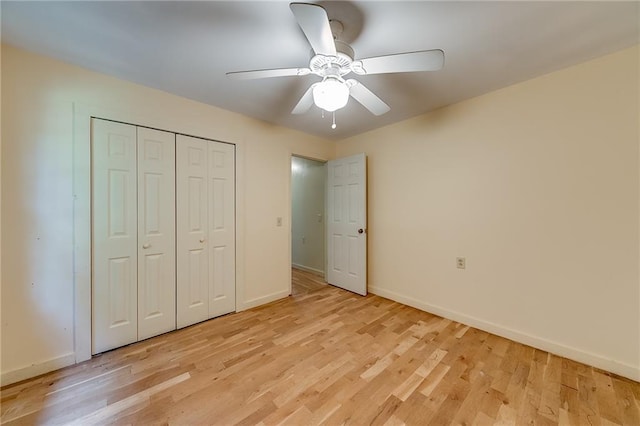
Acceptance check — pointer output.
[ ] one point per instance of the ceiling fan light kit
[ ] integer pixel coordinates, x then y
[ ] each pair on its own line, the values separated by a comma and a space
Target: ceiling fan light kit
334, 59
331, 94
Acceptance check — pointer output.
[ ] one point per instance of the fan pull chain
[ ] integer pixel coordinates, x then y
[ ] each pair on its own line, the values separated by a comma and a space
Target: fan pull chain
333, 126
322, 113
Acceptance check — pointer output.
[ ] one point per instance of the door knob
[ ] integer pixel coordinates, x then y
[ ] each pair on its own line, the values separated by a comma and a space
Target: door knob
146, 246
202, 240
360, 231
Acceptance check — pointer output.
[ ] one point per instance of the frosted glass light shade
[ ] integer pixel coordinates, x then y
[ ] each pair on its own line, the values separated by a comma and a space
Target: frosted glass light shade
330, 94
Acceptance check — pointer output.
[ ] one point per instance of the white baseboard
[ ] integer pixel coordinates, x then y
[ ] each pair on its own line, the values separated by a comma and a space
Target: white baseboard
598, 361
308, 269
13, 376
252, 303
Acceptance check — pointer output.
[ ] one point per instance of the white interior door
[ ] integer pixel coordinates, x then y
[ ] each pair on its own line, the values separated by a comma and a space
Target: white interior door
156, 233
222, 236
347, 223
192, 230
114, 235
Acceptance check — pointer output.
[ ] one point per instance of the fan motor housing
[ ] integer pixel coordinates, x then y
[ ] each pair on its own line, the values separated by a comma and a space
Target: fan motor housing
340, 64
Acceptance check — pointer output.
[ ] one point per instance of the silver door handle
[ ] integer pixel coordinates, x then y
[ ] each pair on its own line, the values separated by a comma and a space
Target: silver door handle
202, 240
146, 246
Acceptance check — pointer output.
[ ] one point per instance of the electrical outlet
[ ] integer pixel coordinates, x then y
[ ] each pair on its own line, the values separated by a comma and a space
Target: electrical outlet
278, 221
461, 262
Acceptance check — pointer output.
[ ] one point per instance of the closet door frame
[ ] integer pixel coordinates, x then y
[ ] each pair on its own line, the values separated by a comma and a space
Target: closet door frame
81, 186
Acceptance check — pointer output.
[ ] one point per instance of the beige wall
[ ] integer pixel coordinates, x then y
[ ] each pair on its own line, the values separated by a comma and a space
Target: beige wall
537, 186
39, 97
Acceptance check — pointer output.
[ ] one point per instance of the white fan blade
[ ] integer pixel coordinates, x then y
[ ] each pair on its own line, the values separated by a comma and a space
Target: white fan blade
367, 98
314, 22
305, 101
425, 60
281, 72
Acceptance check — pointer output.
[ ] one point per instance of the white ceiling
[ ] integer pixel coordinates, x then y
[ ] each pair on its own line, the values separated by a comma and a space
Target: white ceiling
186, 48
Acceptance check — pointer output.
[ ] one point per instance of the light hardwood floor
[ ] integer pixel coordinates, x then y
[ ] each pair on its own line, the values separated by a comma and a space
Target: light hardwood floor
303, 282
325, 356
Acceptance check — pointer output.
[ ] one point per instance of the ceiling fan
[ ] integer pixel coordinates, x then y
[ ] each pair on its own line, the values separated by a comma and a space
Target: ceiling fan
334, 59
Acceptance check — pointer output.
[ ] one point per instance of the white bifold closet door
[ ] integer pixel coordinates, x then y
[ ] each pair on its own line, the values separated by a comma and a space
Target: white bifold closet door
156, 232
114, 206
133, 233
205, 179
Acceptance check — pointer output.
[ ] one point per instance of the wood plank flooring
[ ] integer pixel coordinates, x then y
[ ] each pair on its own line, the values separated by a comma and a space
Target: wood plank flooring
303, 282
325, 356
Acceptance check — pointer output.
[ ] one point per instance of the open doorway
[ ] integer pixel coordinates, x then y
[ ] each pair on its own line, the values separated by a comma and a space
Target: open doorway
308, 181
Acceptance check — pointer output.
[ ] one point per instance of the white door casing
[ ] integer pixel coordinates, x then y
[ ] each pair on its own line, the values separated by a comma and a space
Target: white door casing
114, 235
222, 237
192, 230
347, 223
156, 232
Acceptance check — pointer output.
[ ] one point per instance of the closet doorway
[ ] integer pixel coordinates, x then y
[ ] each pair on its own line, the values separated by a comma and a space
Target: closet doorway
308, 183
163, 232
